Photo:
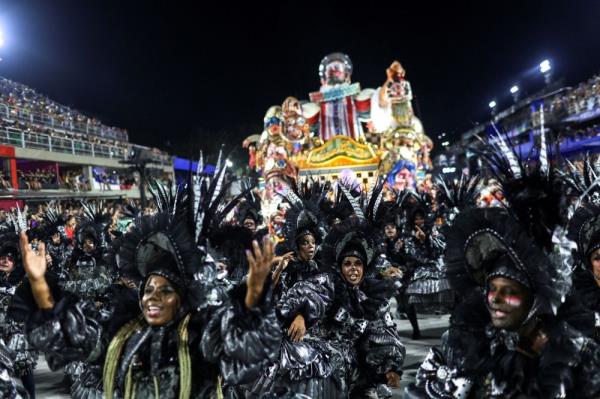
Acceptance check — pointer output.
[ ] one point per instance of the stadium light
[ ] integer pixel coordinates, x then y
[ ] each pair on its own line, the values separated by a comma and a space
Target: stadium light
545, 66
1, 38
492, 104
445, 144
229, 164
514, 89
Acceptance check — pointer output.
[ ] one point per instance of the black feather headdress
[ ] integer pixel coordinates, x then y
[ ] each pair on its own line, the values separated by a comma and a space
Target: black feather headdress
584, 230
93, 224
481, 239
174, 241
53, 223
582, 183
305, 213
530, 188
456, 195
359, 234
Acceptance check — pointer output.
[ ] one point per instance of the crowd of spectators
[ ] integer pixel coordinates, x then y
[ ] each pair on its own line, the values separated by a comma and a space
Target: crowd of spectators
37, 179
22, 109
24, 98
75, 181
572, 102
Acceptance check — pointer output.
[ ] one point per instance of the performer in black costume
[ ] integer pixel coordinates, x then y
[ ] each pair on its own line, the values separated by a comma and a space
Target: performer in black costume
308, 364
348, 306
23, 356
516, 331
190, 329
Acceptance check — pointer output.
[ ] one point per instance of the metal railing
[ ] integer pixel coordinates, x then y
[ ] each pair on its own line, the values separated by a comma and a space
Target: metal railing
65, 145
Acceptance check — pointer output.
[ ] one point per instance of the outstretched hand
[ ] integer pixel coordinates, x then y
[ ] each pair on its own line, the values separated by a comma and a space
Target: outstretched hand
259, 265
34, 262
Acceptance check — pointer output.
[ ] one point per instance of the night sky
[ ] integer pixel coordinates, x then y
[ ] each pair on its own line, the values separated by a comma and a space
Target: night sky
180, 77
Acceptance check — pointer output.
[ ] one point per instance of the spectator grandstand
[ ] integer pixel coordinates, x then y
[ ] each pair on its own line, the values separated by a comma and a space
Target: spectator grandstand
571, 117
45, 145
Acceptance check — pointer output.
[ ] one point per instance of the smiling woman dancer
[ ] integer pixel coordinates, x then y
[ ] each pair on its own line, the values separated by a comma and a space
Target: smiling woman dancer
190, 332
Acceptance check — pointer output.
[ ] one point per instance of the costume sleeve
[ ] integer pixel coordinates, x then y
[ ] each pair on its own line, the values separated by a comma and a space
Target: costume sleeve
8, 384
242, 341
68, 332
72, 330
382, 347
311, 298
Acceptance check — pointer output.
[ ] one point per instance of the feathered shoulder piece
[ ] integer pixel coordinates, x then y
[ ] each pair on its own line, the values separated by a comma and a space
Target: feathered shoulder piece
206, 196
250, 208
584, 230
305, 214
483, 239
336, 207
530, 187
456, 195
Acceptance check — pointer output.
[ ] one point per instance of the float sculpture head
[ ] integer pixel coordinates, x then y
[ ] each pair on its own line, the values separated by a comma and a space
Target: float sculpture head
335, 68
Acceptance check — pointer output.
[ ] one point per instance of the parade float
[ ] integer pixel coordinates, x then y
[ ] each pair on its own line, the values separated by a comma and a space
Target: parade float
343, 132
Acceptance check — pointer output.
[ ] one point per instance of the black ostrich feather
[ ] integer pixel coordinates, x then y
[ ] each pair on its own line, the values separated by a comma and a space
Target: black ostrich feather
582, 183
461, 193
306, 210
530, 188
584, 230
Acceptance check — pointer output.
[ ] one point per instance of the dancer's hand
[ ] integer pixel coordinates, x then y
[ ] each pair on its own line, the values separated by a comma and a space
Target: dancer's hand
34, 262
259, 265
393, 379
297, 329
281, 266
35, 265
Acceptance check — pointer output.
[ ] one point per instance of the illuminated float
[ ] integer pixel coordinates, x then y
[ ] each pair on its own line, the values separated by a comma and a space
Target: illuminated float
343, 132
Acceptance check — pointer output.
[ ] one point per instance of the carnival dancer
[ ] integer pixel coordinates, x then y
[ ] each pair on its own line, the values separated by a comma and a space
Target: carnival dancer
58, 250
584, 230
510, 336
88, 274
428, 288
307, 363
516, 331
12, 332
348, 306
395, 254
190, 330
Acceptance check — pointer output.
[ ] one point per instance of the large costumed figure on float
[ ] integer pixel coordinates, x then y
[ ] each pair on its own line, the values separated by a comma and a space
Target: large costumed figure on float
343, 130
405, 147
342, 104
